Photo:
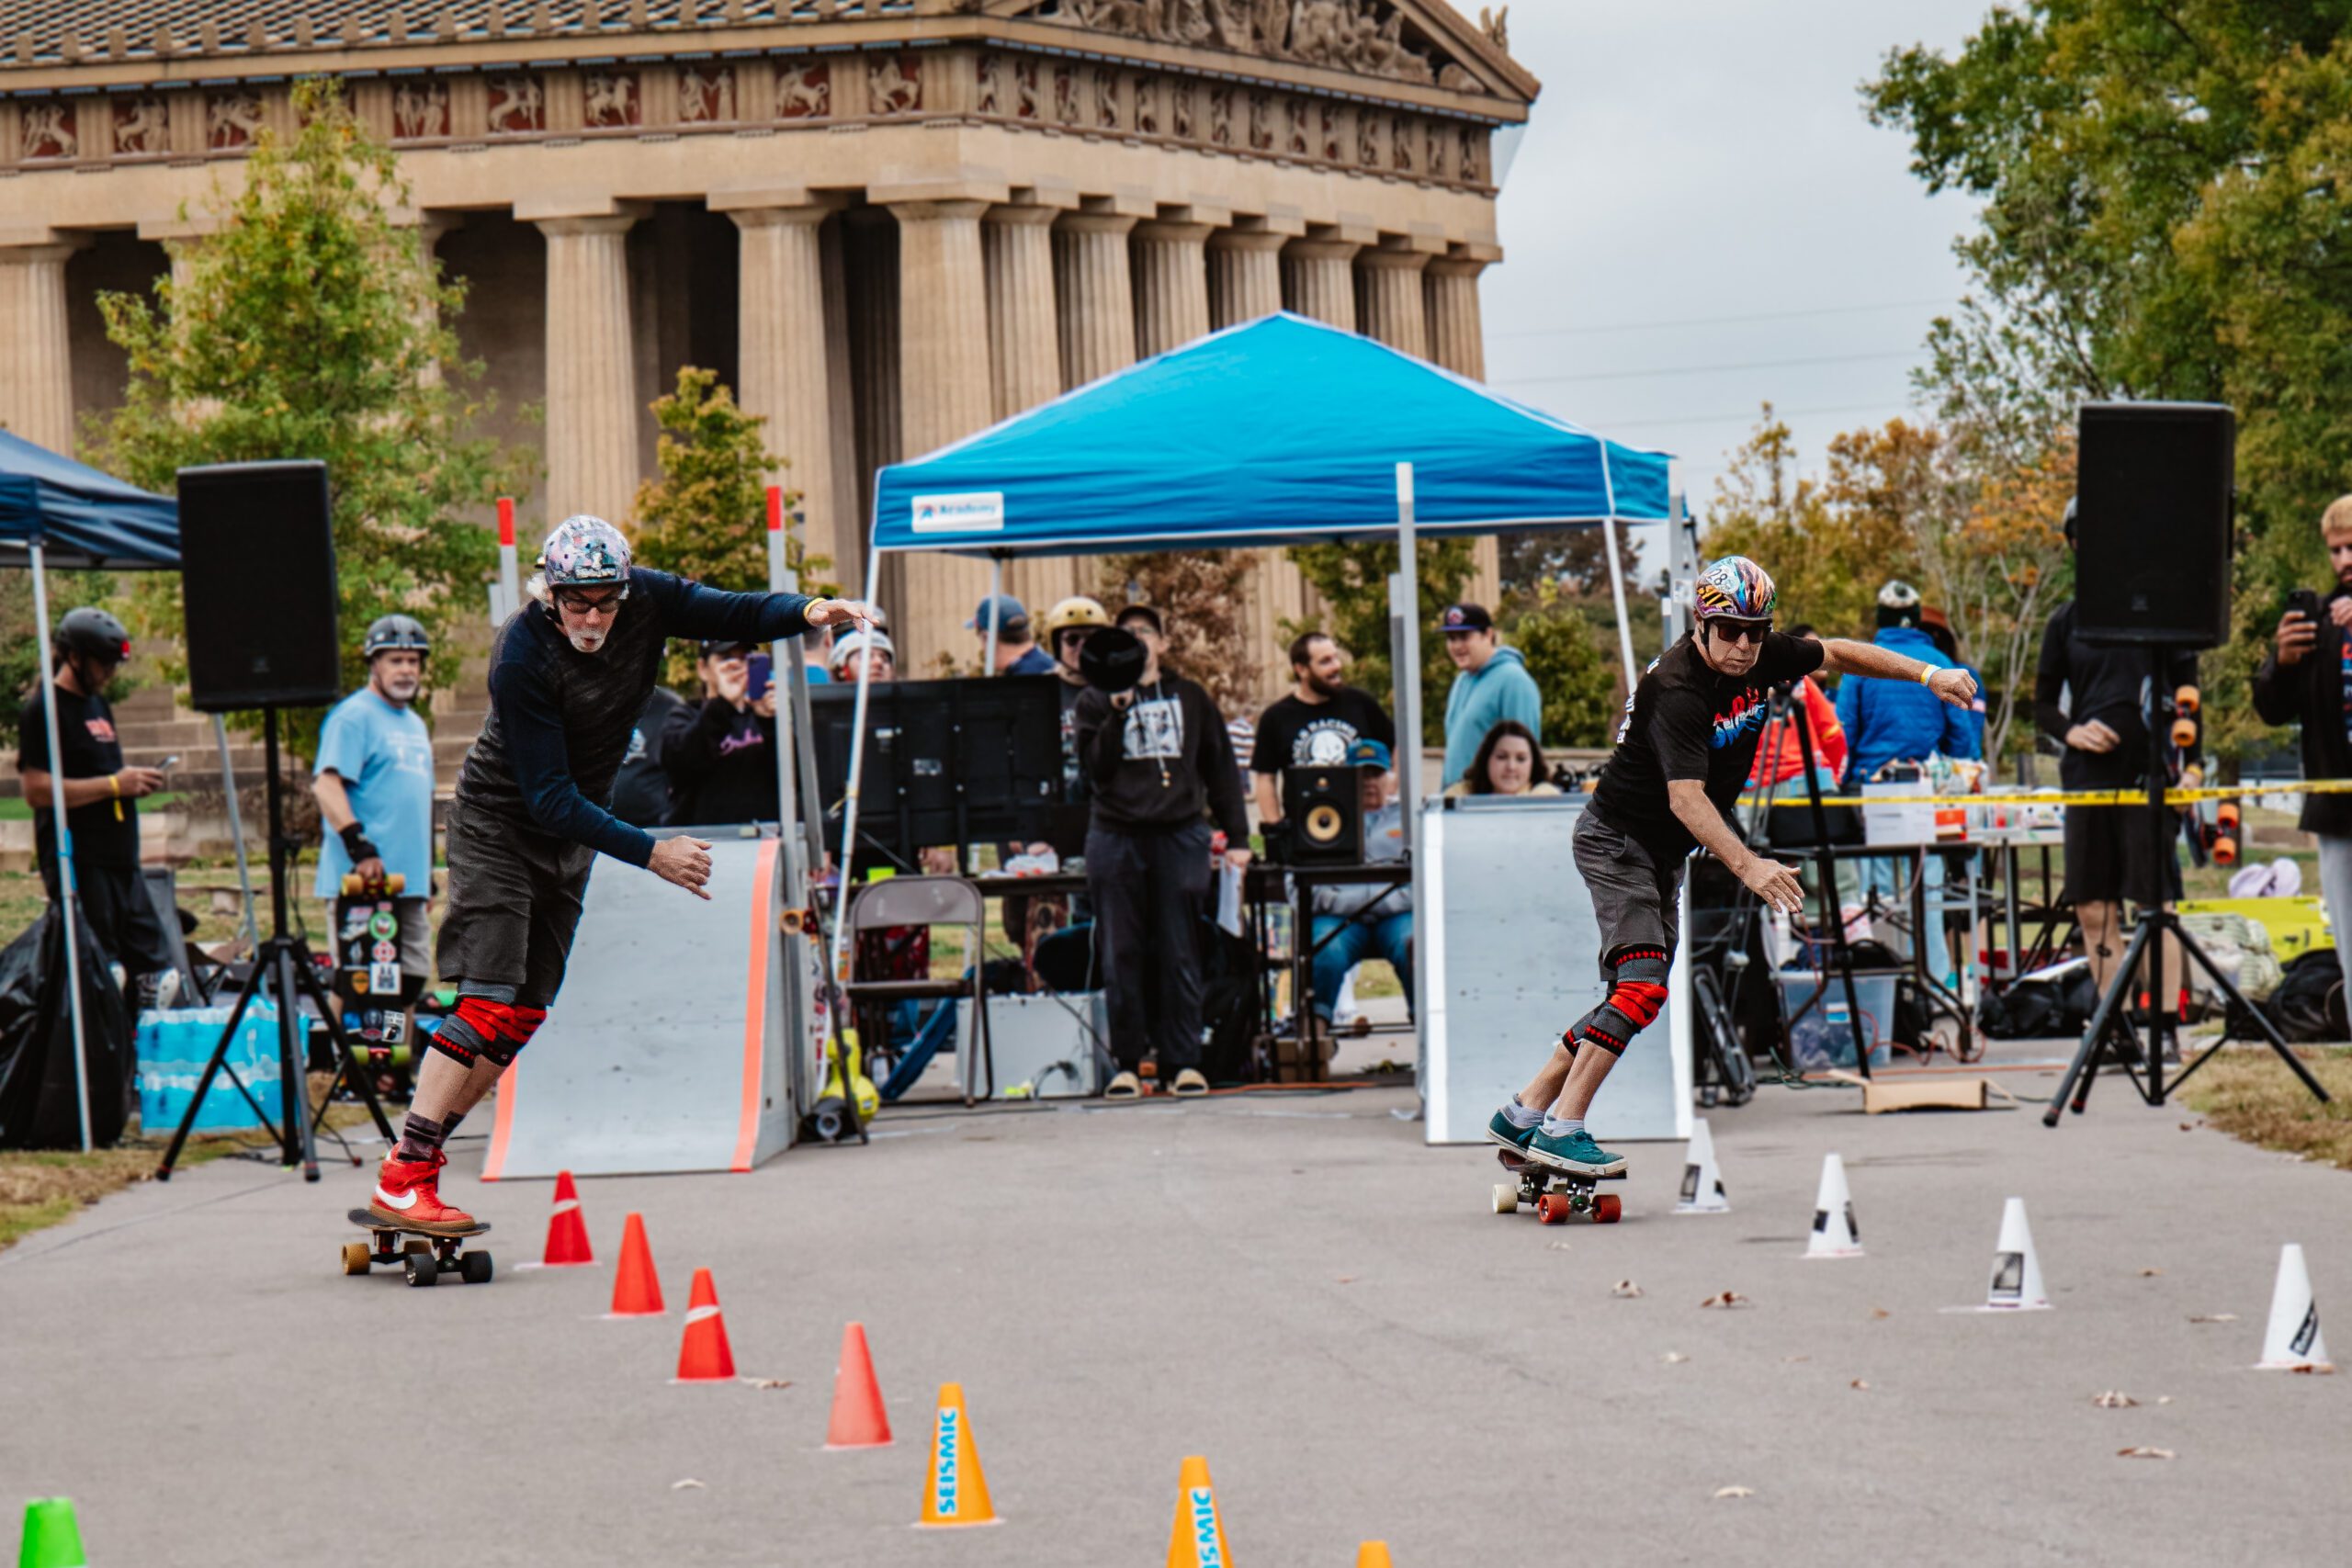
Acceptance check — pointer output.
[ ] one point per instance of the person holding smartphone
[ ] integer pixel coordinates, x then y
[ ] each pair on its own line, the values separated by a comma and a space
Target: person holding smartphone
720, 752
2308, 676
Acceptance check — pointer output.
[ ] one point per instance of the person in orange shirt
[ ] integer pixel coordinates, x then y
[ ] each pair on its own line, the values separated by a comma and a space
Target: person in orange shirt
1780, 754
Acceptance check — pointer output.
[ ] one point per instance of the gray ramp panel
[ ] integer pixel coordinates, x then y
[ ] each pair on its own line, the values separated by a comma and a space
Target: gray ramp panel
1516, 960
665, 1050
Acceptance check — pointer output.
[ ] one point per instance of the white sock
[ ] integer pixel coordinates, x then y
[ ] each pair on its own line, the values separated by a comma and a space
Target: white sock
1519, 1116
1553, 1127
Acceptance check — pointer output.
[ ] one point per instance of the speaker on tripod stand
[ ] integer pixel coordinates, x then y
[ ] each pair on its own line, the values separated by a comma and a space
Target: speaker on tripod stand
258, 592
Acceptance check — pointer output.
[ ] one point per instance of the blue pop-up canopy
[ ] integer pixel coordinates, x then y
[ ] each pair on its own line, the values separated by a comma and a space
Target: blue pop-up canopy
1280, 431
81, 519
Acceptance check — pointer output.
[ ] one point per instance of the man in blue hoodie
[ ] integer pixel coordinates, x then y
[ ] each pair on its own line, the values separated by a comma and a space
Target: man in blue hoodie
1892, 721
1494, 685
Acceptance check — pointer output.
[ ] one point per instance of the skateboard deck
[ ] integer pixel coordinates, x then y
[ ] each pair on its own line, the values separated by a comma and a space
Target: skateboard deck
425, 1257
1553, 1194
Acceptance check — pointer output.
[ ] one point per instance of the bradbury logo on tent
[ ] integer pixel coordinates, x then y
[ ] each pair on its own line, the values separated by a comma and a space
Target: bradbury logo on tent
978, 510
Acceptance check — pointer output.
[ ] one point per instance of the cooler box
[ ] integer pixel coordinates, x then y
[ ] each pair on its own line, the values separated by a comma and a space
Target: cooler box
1824, 1037
1030, 1037
174, 1043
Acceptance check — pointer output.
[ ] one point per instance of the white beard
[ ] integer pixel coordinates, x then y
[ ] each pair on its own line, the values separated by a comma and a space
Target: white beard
586, 642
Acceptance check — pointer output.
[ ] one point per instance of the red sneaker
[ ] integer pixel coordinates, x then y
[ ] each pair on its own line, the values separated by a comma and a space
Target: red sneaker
408, 1195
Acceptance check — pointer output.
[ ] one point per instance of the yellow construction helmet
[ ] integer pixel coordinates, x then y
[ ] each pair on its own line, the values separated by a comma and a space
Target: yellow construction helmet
1077, 610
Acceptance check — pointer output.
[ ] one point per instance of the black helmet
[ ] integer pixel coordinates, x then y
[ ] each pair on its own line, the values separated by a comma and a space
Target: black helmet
94, 633
1113, 661
387, 633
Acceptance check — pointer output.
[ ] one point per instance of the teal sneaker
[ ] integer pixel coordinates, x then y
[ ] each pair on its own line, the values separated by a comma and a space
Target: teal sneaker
1575, 1153
1500, 1130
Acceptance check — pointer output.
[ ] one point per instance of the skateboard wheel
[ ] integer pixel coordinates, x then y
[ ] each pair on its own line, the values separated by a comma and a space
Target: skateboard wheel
474, 1267
420, 1268
1506, 1198
355, 1257
1607, 1208
416, 1244
1552, 1208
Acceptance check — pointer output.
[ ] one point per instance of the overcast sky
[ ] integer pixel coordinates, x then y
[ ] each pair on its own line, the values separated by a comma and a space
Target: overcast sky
1698, 193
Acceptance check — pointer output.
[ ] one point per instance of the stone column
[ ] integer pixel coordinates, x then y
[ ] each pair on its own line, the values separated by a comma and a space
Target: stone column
946, 394
1024, 352
785, 373
1172, 278
1450, 299
1245, 274
1392, 309
869, 246
36, 355
1319, 279
591, 397
1096, 293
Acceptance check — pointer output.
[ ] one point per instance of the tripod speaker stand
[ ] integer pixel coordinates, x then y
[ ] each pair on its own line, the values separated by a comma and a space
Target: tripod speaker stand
2111, 1035
283, 972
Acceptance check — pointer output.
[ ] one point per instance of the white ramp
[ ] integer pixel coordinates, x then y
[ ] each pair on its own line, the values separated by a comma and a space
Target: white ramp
668, 1048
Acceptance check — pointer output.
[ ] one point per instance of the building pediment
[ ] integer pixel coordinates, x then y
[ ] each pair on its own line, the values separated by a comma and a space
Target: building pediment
1423, 43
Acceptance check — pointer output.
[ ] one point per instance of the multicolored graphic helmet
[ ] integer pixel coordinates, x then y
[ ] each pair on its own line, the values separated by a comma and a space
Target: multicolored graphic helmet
1736, 588
583, 552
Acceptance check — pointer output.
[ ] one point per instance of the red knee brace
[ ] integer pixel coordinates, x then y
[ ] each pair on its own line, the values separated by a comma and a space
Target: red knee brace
482, 1027
1639, 1000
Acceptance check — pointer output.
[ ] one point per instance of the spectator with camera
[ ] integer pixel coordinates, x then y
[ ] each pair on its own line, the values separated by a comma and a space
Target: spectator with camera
719, 754
2308, 677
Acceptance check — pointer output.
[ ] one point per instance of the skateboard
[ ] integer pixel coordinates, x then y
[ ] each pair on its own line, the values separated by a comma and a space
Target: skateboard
1553, 1193
377, 992
425, 1256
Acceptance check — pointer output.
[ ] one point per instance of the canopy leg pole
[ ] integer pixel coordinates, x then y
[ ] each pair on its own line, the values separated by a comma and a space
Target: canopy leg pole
1617, 590
1404, 601
857, 782
237, 837
782, 579
69, 900
996, 592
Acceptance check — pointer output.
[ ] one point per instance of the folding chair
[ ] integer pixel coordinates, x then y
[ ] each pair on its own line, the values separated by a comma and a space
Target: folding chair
931, 901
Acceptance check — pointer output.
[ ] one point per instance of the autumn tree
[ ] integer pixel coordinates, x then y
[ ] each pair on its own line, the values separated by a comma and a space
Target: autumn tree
1202, 597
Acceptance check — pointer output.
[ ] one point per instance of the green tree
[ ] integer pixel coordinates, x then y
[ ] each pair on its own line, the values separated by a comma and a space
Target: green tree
311, 326
1574, 668
1352, 577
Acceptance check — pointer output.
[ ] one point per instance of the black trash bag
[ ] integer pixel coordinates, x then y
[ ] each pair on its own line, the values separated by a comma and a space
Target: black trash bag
2046, 1008
38, 1104
2308, 1003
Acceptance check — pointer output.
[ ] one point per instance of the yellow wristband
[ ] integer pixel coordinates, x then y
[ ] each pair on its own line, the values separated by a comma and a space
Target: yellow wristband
1926, 674
114, 785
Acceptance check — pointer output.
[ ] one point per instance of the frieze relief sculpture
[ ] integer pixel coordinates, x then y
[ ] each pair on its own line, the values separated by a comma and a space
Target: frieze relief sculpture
1362, 36
139, 125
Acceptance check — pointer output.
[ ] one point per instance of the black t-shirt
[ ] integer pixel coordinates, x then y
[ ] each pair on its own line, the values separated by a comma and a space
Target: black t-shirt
2100, 682
106, 833
1293, 734
1688, 722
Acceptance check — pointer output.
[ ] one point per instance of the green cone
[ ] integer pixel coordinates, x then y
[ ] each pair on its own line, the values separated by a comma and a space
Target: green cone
52, 1537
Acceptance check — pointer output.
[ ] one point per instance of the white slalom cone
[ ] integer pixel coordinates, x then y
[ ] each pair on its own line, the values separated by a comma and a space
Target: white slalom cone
1702, 1184
2017, 1271
1834, 1233
2293, 1343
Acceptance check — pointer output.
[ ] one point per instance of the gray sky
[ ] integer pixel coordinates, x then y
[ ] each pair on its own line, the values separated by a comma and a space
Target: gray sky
1706, 162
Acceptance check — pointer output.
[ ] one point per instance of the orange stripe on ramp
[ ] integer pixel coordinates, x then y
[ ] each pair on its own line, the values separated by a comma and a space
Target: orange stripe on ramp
756, 1006
493, 1164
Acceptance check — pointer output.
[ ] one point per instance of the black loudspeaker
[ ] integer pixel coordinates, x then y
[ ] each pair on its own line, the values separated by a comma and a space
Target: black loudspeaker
2153, 524
258, 585
1325, 809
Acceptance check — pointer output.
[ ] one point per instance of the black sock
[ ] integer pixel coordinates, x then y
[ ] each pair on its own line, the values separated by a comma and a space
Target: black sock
450, 1128
420, 1138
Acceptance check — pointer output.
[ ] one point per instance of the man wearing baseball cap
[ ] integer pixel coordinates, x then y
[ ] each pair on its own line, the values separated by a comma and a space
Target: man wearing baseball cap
1017, 652
1494, 685
1358, 921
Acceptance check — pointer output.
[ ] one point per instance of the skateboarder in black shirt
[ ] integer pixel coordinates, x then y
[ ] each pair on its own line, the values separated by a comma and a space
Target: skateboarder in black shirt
1685, 749
569, 673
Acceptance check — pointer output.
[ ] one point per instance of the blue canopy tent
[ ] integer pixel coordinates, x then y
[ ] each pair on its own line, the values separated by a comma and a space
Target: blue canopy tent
1280, 431
56, 512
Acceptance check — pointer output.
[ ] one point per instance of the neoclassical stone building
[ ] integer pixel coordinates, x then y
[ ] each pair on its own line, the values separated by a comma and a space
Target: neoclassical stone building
886, 223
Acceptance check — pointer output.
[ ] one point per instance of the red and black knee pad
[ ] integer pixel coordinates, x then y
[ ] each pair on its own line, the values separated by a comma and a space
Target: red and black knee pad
482, 1027
1636, 998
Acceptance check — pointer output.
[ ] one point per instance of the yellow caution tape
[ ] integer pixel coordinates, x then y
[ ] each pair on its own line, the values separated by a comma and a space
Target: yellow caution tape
2068, 797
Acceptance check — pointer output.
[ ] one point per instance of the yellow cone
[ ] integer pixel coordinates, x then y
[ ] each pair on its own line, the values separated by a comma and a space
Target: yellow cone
957, 1493
1197, 1539
1372, 1554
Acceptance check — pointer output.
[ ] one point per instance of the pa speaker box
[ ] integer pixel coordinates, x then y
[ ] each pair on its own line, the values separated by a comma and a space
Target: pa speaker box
2153, 524
258, 585
1325, 809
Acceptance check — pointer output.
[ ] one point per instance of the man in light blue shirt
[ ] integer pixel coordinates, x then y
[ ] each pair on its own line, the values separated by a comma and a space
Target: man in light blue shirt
1494, 685
373, 782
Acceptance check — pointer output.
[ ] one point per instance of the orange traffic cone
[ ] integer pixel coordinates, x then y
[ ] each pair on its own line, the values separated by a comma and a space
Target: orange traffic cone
567, 1232
637, 1289
957, 1493
859, 1421
705, 1357
1372, 1554
1197, 1539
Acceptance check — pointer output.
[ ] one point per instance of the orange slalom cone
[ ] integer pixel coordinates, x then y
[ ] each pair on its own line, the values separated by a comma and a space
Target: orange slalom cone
637, 1289
567, 1232
1197, 1539
859, 1421
704, 1357
1372, 1554
957, 1493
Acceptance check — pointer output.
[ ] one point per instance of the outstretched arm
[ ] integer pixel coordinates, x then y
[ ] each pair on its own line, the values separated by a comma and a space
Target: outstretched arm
1954, 686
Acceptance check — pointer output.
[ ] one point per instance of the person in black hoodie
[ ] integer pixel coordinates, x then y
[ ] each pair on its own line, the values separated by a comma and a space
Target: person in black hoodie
2309, 677
719, 754
1158, 757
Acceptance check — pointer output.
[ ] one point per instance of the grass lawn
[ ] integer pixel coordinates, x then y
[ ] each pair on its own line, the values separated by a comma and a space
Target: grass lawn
2248, 1093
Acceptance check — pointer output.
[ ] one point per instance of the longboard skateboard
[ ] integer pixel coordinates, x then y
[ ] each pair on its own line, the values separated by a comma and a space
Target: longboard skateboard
1553, 1193
425, 1256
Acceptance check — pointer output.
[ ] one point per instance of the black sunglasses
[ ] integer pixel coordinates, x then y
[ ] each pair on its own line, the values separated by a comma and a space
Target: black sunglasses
1742, 631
